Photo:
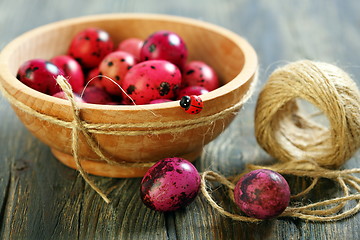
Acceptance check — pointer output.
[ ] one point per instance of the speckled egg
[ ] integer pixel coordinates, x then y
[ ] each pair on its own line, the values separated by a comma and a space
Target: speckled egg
40, 74
170, 184
90, 46
132, 46
115, 66
95, 95
198, 73
150, 80
165, 45
262, 194
72, 71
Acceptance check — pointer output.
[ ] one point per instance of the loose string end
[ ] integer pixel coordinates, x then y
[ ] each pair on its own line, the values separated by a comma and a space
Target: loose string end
66, 87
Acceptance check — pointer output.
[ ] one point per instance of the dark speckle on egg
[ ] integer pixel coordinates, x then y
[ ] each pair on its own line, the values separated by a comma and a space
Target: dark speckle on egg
130, 89
164, 88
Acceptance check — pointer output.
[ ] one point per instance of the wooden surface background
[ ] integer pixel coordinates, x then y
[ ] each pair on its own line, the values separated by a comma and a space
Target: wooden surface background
42, 199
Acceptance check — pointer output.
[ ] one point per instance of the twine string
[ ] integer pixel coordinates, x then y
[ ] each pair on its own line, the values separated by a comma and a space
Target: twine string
87, 130
141, 128
305, 148
307, 212
65, 86
287, 135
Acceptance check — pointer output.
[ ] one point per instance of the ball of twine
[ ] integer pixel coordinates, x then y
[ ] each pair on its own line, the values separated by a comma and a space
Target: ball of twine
304, 147
286, 134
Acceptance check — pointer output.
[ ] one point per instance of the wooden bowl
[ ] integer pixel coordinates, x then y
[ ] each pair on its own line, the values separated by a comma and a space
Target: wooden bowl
231, 56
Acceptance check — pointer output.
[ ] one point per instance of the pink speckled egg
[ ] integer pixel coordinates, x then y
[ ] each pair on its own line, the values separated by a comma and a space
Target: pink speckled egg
198, 73
164, 45
95, 95
150, 80
170, 184
262, 194
72, 70
132, 46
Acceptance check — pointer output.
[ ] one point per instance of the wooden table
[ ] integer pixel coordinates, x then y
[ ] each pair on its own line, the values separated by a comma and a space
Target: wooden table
42, 199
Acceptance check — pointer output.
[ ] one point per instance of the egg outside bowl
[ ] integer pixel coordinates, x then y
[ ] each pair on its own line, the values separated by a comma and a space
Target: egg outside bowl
175, 132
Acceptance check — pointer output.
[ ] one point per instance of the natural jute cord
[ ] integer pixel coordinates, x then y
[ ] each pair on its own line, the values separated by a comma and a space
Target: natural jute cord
305, 148
287, 135
88, 129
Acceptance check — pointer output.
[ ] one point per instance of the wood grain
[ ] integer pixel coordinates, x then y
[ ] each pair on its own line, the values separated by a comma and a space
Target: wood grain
42, 199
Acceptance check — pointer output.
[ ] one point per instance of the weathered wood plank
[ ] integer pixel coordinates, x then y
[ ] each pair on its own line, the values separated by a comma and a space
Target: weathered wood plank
42, 199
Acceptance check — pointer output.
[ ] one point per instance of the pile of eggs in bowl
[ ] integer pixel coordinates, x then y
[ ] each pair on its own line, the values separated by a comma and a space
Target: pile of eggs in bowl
137, 71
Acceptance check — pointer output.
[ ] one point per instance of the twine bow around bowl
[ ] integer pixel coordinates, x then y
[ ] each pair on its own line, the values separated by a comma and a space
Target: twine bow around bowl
132, 136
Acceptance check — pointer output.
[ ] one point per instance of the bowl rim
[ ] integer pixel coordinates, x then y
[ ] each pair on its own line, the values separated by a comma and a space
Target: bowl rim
247, 72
